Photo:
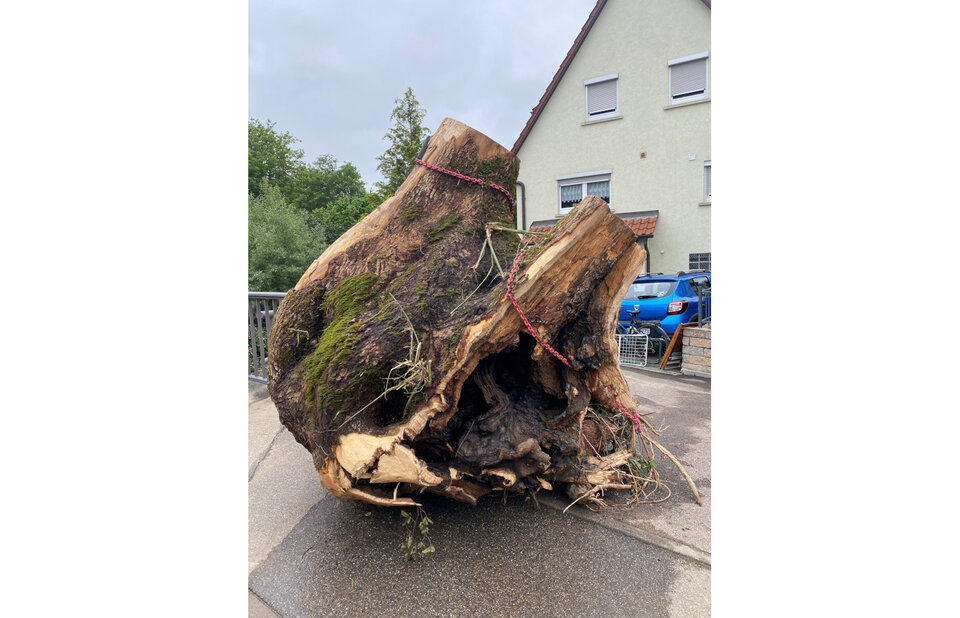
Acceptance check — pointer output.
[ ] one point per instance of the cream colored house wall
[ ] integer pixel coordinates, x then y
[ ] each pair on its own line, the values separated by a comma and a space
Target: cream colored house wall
648, 147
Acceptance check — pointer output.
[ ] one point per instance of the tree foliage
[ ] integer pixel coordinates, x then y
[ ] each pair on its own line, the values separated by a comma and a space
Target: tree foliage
324, 182
297, 210
271, 157
405, 137
340, 215
281, 244
333, 195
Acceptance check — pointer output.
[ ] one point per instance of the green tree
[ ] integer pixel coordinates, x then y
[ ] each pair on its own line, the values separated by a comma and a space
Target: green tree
339, 216
333, 194
271, 157
324, 182
405, 137
280, 242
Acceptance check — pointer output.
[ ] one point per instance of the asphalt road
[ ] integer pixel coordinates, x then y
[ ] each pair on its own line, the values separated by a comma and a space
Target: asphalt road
493, 560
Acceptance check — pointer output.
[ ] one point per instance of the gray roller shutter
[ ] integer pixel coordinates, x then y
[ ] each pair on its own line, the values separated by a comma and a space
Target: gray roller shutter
688, 79
602, 97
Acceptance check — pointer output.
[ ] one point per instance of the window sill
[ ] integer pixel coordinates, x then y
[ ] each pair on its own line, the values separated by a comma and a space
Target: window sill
560, 215
704, 204
686, 103
599, 120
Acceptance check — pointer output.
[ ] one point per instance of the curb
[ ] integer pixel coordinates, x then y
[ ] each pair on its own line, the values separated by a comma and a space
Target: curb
647, 536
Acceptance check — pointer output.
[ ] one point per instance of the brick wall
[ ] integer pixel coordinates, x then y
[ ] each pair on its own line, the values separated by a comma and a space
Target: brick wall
696, 351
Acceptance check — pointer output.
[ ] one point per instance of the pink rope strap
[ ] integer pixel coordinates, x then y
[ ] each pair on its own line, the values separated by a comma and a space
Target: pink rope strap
546, 346
476, 181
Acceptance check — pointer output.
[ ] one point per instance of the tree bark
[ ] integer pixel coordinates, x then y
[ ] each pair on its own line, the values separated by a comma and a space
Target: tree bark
403, 294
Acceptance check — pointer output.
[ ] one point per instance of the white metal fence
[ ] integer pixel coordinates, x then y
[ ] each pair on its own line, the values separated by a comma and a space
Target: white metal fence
261, 307
632, 349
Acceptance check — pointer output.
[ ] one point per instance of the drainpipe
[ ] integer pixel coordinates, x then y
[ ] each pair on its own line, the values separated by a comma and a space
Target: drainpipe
647, 251
523, 205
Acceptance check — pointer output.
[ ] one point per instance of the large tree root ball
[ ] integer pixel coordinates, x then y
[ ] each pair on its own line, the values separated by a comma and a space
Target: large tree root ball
401, 364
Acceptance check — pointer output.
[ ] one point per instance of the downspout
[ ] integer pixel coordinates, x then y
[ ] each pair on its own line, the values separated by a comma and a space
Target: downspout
647, 251
523, 206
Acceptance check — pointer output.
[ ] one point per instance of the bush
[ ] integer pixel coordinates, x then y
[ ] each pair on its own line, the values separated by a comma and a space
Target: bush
281, 243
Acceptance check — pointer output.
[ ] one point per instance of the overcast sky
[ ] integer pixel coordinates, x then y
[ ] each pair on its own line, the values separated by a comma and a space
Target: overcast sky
329, 71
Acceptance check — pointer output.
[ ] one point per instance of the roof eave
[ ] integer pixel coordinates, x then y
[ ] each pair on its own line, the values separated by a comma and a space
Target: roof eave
535, 114
591, 19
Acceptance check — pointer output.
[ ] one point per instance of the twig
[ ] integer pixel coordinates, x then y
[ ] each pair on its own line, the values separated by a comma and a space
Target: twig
680, 467
493, 254
474, 290
597, 488
510, 229
464, 438
483, 250
298, 331
664, 499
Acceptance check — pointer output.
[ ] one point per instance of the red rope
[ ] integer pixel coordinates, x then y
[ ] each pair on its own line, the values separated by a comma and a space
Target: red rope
477, 181
530, 328
634, 419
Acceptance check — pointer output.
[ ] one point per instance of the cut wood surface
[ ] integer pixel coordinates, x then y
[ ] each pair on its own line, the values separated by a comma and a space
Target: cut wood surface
400, 363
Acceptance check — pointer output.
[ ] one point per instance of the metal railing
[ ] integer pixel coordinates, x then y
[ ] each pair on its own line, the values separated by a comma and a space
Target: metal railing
261, 307
703, 311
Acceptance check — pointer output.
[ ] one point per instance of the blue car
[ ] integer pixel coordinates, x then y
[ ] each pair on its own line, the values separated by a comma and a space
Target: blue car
671, 299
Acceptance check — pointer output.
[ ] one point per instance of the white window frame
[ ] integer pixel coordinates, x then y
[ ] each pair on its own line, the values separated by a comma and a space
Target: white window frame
582, 179
706, 194
586, 99
706, 83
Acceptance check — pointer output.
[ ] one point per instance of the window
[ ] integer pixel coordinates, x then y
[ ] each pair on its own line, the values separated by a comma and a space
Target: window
688, 78
602, 97
651, 289
575, 187
699, 284
700, 260
706, 182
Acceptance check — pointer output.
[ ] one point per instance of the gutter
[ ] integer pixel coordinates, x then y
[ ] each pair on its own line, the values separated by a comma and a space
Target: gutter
523, 206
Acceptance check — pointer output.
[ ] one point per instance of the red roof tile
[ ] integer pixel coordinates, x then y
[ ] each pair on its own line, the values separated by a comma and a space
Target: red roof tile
642, 226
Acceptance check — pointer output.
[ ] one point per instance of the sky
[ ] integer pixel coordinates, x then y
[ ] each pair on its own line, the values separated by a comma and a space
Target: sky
329, 72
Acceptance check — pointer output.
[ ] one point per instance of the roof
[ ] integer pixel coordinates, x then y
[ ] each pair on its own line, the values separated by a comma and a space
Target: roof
535, 113
591, 19
643, 224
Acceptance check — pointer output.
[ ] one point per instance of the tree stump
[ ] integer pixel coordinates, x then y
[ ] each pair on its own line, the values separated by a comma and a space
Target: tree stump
400, 363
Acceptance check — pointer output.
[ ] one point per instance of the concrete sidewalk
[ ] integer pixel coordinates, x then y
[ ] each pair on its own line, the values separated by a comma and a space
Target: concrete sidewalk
312, 556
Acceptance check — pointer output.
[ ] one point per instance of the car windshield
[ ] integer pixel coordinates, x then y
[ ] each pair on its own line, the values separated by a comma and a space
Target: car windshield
651, 289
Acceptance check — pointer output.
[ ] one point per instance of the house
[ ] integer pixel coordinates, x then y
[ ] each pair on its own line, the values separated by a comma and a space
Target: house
627, 118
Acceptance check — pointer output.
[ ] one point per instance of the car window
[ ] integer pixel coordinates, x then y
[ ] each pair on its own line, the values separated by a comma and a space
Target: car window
651, 289
699, 283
